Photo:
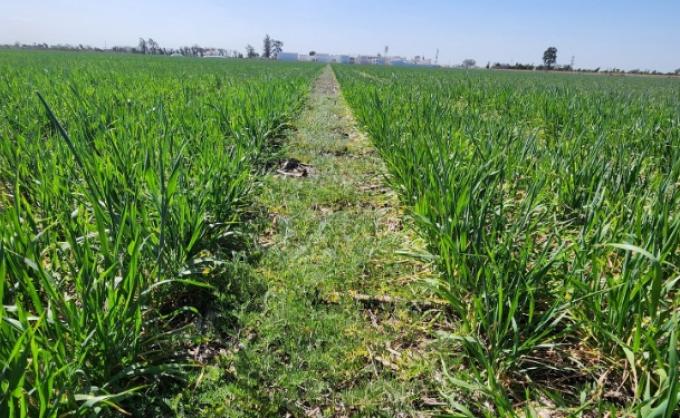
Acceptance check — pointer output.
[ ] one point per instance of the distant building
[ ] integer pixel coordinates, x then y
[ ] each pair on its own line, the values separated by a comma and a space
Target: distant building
324, 58
344, 59
367, 60
288, 56
422, 61
399, 61
359, 59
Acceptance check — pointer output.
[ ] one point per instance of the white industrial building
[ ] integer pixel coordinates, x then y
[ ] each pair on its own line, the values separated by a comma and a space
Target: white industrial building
288, 56
357, 59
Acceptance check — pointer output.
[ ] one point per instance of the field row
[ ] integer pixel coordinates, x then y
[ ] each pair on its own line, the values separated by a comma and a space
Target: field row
550, 205
123, 191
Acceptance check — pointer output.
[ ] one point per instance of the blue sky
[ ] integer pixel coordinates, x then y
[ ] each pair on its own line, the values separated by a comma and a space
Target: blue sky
606, 33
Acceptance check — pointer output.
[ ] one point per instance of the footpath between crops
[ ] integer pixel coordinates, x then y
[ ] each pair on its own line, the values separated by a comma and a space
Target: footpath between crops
338, 332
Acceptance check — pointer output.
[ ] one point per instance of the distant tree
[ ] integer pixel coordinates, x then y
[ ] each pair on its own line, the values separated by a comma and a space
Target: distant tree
550, 57
152, 46
488, 65
267, 47
312, 53
142, 46
250, 52
469, 63
677, 72
277, 48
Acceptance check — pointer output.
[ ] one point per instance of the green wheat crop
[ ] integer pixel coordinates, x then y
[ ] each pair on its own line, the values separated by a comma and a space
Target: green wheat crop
551, 204
123, 182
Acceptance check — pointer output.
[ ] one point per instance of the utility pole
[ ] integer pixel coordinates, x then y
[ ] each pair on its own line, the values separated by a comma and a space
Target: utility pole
436, 58
573, 58
387, 50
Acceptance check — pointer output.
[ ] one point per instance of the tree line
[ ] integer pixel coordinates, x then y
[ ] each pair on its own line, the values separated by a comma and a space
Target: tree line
271, 48
550, 64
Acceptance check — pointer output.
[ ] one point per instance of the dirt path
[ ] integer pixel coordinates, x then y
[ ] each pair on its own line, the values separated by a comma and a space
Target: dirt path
335, 334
